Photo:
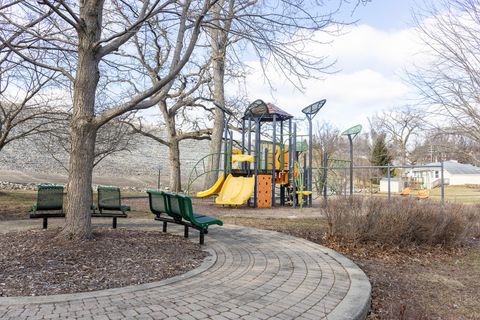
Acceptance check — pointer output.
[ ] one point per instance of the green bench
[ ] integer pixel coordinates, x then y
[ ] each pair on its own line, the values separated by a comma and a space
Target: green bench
179, 210
109, 199
49, 198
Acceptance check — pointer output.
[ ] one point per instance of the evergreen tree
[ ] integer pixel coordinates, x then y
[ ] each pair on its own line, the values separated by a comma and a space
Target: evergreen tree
381, 155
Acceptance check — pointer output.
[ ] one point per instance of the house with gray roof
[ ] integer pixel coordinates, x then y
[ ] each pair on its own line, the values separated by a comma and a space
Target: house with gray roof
454, 174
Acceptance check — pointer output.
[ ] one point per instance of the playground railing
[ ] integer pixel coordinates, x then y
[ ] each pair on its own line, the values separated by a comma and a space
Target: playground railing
201, 168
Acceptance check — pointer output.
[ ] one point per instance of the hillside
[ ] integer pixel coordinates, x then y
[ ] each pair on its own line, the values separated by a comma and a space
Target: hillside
25, 162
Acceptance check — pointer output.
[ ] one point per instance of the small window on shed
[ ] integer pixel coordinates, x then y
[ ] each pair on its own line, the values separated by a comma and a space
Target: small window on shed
437, 174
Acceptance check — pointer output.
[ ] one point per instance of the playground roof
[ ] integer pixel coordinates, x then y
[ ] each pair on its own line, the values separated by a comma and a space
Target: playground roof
265, 112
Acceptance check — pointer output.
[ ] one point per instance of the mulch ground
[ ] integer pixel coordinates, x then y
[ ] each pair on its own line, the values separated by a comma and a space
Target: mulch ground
417, 282
35, 262
420, 282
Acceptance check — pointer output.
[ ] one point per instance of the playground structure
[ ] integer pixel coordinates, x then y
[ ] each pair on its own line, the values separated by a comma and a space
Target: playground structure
265, 173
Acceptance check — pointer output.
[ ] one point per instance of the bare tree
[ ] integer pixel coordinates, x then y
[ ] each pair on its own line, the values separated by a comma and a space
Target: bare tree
327, 138
440, 145
24, 111
112, 138
78, 41
400, 126
183, 109
277, 34
450, 82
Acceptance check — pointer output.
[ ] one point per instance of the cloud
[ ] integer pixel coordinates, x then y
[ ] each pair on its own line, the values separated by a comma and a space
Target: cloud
371, 64
363, 45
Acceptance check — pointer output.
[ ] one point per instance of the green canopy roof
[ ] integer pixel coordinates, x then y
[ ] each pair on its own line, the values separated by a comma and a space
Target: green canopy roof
314, 107
353, 130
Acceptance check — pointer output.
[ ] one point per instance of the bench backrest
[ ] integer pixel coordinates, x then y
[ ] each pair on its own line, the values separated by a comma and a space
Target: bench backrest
175, 205
50, 197
187, 208
158, 202
109, 198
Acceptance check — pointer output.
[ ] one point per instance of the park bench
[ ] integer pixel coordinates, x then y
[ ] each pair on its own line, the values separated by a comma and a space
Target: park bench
109, 199
179, 210
49, 198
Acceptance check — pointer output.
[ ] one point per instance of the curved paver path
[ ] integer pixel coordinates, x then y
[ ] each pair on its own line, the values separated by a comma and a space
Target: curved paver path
250, 274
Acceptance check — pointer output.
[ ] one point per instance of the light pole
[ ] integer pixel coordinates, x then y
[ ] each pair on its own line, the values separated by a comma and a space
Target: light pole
311, 111
351, 134
159, 174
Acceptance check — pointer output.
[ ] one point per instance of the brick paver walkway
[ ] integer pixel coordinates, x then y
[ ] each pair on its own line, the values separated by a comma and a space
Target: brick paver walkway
250, 274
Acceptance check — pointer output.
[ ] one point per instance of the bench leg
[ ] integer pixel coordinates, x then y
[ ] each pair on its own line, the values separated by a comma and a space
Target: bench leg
164, 226
185, 233
114, 223
45, 223
202, 236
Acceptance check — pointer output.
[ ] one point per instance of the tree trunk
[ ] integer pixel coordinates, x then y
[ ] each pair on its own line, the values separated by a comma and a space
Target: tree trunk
215, 149
175, 172
79, 190
218, 66
83, 130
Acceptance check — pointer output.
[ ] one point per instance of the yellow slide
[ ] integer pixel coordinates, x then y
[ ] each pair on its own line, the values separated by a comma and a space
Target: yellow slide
236, 190
214, 189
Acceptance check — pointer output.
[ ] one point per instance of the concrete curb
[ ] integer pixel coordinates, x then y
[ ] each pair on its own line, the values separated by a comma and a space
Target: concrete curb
356, 304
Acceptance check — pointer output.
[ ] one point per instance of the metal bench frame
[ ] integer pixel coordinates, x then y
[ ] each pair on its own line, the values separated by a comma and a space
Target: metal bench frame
178, 209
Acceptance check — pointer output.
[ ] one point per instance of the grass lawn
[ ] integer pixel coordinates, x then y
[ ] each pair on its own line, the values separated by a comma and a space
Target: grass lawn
412, 283
16, 204
461, 194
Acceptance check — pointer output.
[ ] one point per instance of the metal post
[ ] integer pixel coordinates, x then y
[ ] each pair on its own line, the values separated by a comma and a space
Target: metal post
305, 176
351, 163
158, 181
273, 157
247, 164
265, 159
290, 138
290, 152
243, 136
249, 136
344, 180
388, 177
310, 160
282, 152
294, 159
325, 176
256, 162
231, 152
225, 148
442, 182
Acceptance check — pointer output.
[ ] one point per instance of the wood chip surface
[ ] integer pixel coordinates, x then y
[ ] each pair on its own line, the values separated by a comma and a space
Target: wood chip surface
35, 262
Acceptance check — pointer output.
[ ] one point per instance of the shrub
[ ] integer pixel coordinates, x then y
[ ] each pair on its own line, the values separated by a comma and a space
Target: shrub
401, 221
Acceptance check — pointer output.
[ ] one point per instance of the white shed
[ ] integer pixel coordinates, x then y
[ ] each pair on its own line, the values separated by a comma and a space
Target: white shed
396, 185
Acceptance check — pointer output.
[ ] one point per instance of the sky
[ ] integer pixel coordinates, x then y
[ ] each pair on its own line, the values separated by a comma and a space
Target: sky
372, 56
